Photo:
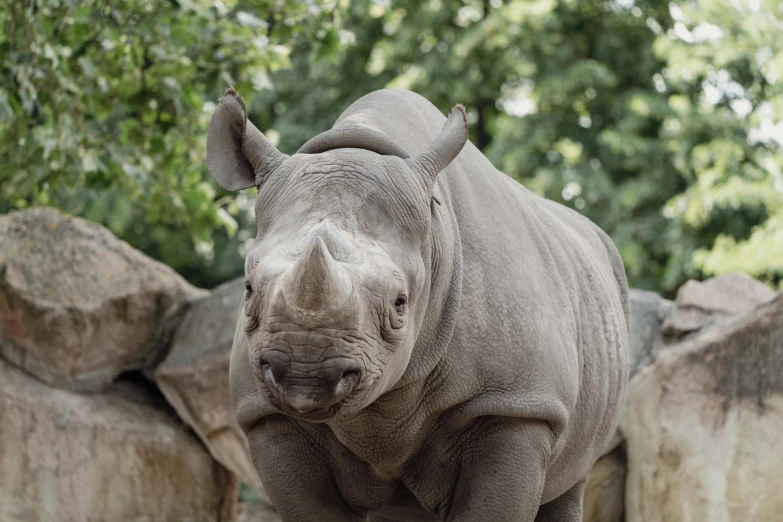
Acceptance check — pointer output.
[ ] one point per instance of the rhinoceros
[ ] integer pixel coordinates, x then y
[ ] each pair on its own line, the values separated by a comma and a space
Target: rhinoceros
421, 337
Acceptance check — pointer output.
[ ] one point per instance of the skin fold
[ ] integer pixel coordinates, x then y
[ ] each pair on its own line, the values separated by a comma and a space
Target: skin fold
421, 337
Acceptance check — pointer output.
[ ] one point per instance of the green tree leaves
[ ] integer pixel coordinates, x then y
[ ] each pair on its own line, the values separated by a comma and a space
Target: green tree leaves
660, 121
723, 72
104, 108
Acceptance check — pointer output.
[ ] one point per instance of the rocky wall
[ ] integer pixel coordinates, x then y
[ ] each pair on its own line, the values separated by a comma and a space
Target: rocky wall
115, 403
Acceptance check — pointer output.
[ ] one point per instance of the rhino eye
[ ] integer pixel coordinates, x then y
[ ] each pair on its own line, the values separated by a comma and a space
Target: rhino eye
248, 288
399, 304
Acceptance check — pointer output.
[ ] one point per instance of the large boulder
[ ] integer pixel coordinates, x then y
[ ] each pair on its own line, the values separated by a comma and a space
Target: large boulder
78, 306
116, 456
703, 425
194, 378
701, 304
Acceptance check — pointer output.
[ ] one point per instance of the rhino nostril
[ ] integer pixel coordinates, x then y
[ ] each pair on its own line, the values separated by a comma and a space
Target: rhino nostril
269, 377
347, 383
273, 369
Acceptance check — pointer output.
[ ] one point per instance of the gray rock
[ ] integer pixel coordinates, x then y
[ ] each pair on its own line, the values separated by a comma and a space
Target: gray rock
194, 379
107, 457
648, 312
77, 305
703, 303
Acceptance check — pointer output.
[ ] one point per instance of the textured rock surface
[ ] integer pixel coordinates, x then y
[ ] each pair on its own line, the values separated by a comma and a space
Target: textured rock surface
194, 378
648, 312
605, 491
77, 305
703, 426
118, 456
701, 303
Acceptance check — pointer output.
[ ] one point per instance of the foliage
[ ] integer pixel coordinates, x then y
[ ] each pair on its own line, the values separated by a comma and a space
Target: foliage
248, 495
660, 121
724, 72
104, 108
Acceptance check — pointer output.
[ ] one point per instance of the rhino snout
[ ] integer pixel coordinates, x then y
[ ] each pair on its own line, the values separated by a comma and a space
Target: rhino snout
301, 390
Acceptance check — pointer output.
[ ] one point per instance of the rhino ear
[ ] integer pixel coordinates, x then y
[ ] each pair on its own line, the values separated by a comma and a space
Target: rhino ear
238, 155
446, 146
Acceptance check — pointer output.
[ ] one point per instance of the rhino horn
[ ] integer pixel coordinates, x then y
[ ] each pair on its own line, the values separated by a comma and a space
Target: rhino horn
316, 283
238, 155
337, 244
446, 146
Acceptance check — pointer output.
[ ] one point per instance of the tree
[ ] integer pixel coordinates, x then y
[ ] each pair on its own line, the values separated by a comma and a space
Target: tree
724, 66
104, 108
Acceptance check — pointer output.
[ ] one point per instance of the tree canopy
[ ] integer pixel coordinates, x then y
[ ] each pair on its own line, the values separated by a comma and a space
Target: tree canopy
662, 122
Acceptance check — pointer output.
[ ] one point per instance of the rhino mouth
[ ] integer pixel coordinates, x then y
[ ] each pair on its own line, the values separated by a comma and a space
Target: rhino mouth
309, 399
322, 414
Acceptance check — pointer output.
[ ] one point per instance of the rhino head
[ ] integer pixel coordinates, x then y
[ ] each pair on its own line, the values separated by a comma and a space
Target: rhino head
337, 277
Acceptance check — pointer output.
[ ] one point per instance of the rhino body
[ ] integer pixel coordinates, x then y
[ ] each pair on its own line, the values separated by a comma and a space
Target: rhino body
418, 342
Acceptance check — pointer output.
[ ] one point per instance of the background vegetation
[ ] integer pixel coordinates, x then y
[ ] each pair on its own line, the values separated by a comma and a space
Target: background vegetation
661, 121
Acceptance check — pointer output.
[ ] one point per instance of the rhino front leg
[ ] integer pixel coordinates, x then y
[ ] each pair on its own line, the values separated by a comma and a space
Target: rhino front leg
295, 473
502, 471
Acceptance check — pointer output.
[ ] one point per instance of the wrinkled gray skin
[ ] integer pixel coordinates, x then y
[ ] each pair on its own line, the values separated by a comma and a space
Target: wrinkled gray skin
422, 337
